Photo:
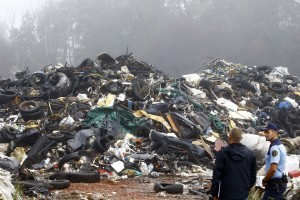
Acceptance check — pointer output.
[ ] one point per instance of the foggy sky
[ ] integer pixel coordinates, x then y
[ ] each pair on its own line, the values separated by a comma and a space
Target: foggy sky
182, 52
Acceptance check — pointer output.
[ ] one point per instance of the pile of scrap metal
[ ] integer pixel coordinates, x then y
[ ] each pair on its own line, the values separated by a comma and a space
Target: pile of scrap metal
116, 117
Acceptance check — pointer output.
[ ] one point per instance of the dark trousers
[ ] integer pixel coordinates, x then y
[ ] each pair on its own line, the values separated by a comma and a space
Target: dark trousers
274, 190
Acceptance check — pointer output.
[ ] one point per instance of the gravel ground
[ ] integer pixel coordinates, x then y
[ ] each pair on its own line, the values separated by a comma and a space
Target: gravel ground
130, 188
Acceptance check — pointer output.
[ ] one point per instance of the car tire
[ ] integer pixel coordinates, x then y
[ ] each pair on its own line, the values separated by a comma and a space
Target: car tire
29, 107
77, 177
264, 69
58, 184
38, 79
32, 116
277, 87
290, 80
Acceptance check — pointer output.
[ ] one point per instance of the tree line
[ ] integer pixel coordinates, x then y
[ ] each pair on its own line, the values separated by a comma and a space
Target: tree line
174, 35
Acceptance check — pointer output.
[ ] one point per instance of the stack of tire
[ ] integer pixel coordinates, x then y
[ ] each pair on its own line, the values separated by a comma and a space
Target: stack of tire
31, 110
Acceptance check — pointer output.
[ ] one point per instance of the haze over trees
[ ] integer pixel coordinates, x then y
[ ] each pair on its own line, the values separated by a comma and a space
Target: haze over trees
176, 36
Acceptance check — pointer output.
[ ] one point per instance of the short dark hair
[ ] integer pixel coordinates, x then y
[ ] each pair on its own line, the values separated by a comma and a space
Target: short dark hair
236, 134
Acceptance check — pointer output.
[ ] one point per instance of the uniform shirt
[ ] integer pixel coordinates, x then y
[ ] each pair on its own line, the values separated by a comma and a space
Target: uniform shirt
276, 154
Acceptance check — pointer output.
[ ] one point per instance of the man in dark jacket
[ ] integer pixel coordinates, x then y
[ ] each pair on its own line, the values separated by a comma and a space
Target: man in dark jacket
234, 172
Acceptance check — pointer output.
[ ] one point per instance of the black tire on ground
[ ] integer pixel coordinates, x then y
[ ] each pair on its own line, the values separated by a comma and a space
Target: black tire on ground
32, 116
58, 184
7, 96
31, 183
58, 137
100, 145
277, 87
290, 80
265, 69
65, 159
38, 79
11, 130
29, 107
77, 177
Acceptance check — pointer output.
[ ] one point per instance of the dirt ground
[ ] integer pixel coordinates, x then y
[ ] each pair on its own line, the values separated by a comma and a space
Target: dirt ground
130, 188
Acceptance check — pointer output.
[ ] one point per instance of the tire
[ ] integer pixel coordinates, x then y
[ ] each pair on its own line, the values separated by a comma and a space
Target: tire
31, 183
28, 107
58, 184
38, 79
8, 134
32, 116
59, 81
100, 145
77, 177
7, 96
67, 158
277, 87
264, 69
290, 80
58, 137
10, 130
168, 188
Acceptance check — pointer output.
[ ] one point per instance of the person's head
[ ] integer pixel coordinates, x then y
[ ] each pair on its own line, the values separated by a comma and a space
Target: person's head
235, 135
271, 132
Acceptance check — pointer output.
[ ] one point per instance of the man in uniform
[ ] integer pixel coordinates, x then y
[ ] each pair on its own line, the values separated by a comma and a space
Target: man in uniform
275, 180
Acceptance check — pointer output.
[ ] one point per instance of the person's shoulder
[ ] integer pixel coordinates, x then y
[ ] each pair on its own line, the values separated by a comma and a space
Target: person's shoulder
276, 147
282, 148
247, 148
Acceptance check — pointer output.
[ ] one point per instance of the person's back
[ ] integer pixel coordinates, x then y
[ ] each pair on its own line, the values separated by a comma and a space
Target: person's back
234, 171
